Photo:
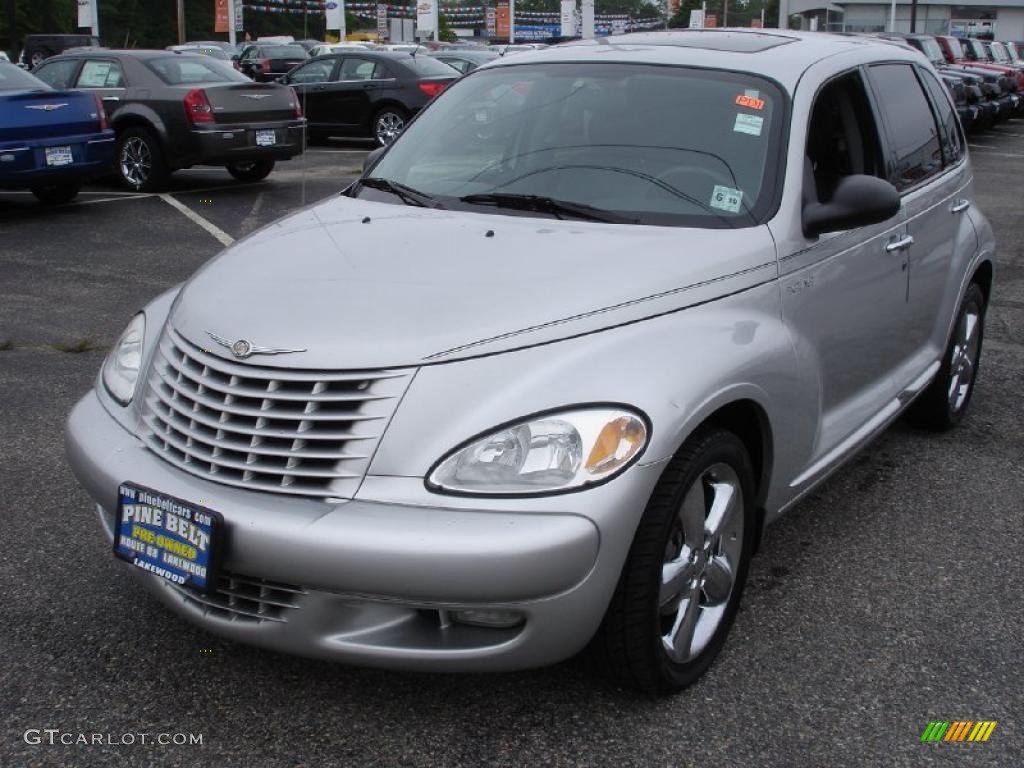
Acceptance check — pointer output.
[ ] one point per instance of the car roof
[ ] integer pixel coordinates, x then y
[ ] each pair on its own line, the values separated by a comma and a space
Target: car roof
781, 55
129, 53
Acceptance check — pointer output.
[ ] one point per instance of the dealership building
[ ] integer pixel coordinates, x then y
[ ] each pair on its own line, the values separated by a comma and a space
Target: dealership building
1003, 19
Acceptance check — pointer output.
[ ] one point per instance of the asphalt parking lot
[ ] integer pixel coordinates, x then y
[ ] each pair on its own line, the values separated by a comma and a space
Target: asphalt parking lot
889, 598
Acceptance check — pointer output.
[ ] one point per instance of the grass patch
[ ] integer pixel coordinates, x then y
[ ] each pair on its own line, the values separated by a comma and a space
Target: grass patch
88, 344
6, 345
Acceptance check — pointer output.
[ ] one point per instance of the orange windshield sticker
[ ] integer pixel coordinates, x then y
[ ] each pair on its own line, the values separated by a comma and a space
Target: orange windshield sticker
750, 101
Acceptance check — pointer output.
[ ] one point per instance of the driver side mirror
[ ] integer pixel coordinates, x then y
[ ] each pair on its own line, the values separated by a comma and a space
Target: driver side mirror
858, 201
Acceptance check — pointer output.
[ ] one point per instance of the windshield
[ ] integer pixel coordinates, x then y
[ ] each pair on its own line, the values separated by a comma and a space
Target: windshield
14, 79
931, 49
955, 48
977, 49
182, 70
999, 53
1011, 48
651, 144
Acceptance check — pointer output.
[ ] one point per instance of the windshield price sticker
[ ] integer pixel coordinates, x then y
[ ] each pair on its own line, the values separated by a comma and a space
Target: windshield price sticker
751, 102
750, 124
727, 199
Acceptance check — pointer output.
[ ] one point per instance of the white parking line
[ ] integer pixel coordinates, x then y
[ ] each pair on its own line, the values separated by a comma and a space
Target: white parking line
213, 229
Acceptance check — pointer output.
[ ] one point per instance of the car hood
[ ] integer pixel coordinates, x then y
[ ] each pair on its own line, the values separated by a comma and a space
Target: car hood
360, 284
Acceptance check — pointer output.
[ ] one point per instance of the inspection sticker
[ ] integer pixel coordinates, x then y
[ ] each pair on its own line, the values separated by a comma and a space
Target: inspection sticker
726, 198
750, 101
748, 124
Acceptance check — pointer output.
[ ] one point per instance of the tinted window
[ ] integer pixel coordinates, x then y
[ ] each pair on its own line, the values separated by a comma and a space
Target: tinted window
14, 79
359, 69
660, 145
314, 72
459, 64
178, 70
284, 52
58, 74
913, 136
949, 123
101, 74
425, 66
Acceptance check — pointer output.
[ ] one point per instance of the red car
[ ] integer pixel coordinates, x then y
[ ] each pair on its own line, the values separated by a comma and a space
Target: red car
972, 52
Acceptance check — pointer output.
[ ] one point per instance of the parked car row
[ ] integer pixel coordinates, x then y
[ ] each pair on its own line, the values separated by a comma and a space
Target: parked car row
985, 91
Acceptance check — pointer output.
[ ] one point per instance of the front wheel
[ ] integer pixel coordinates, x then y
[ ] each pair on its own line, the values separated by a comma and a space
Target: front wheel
57, 194
943, 404
681, 585
387, 124
251, 170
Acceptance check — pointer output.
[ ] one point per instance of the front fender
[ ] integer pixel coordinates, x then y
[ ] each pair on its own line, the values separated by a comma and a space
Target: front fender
677, 368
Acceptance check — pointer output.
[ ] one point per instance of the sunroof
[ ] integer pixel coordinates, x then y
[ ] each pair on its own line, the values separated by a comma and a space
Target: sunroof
712, 40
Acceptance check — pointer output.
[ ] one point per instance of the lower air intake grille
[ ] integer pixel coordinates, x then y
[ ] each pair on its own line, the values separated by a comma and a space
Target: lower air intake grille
245, 599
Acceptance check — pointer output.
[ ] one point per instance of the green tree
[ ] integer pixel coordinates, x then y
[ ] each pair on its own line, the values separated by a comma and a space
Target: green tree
444, 32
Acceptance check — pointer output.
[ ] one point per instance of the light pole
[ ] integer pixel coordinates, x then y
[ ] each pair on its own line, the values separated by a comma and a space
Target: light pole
181, 21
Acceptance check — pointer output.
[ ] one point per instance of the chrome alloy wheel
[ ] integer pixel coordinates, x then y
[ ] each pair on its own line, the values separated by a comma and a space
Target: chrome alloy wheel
702, 557
387, 127
964, 358
136, 161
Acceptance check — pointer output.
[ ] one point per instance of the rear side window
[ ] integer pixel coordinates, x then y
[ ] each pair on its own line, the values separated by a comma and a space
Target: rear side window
949, 123
360, 69
913, 135
101, 74
58, 74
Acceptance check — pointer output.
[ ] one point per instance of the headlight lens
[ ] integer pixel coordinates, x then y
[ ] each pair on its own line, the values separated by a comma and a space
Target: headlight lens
548, 453
121, 368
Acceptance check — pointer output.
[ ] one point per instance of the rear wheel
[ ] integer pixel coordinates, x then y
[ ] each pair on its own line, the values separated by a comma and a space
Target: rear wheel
943, 404
681, 585
388, 123
56, 194
140, 161
251, 170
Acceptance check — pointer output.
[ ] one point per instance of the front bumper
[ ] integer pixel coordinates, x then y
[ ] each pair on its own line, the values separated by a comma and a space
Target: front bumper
223, 144
376, 583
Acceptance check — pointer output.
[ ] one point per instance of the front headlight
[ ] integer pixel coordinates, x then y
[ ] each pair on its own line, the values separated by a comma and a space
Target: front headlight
548, 453
121, 368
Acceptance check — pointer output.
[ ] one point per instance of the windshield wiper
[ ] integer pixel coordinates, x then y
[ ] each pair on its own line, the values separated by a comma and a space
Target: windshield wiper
408, 195
541, 204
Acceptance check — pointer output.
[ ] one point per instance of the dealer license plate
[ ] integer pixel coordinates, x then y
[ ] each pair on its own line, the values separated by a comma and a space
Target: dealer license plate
266, 138
174, 539
56, 156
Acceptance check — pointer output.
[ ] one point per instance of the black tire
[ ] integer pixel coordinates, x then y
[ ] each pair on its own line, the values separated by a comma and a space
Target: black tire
141, 166
57, 194
628, 646
387, 123
251, 170
943, 404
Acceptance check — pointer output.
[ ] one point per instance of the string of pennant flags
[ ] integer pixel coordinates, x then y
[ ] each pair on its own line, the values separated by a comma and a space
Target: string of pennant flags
461, 12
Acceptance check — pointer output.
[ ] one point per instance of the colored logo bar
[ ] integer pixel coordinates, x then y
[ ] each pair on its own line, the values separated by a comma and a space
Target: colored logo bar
958, 730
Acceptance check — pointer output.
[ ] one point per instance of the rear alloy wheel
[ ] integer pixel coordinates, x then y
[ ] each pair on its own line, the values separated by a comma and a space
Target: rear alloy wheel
38, 57
57, 194
681, 585
140, 161
387, 124
251, 170
943, 404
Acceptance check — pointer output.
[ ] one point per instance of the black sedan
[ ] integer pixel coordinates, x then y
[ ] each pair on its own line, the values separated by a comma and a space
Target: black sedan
173, 110
465, 60
366, 93
264, 62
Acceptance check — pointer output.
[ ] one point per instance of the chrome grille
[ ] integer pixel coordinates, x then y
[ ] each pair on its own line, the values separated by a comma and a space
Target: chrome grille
301, 432
245, 599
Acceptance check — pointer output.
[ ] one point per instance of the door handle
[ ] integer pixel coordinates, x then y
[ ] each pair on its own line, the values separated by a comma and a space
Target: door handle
319, 87
959, 206
899, 245
111, 98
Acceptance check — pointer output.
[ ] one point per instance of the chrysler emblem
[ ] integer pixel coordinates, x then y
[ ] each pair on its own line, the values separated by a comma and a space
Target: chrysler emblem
244, 348
46, 107
256, 95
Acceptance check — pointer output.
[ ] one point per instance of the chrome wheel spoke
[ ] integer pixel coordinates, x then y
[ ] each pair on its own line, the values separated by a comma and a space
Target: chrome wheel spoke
718, 581
692, 515
723, 507
679, 641
676, 577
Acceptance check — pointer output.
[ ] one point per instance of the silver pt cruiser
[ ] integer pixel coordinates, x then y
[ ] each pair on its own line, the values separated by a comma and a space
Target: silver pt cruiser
536, 382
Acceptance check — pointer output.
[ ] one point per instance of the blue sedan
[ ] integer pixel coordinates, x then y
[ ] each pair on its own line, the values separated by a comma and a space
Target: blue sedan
50, 141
